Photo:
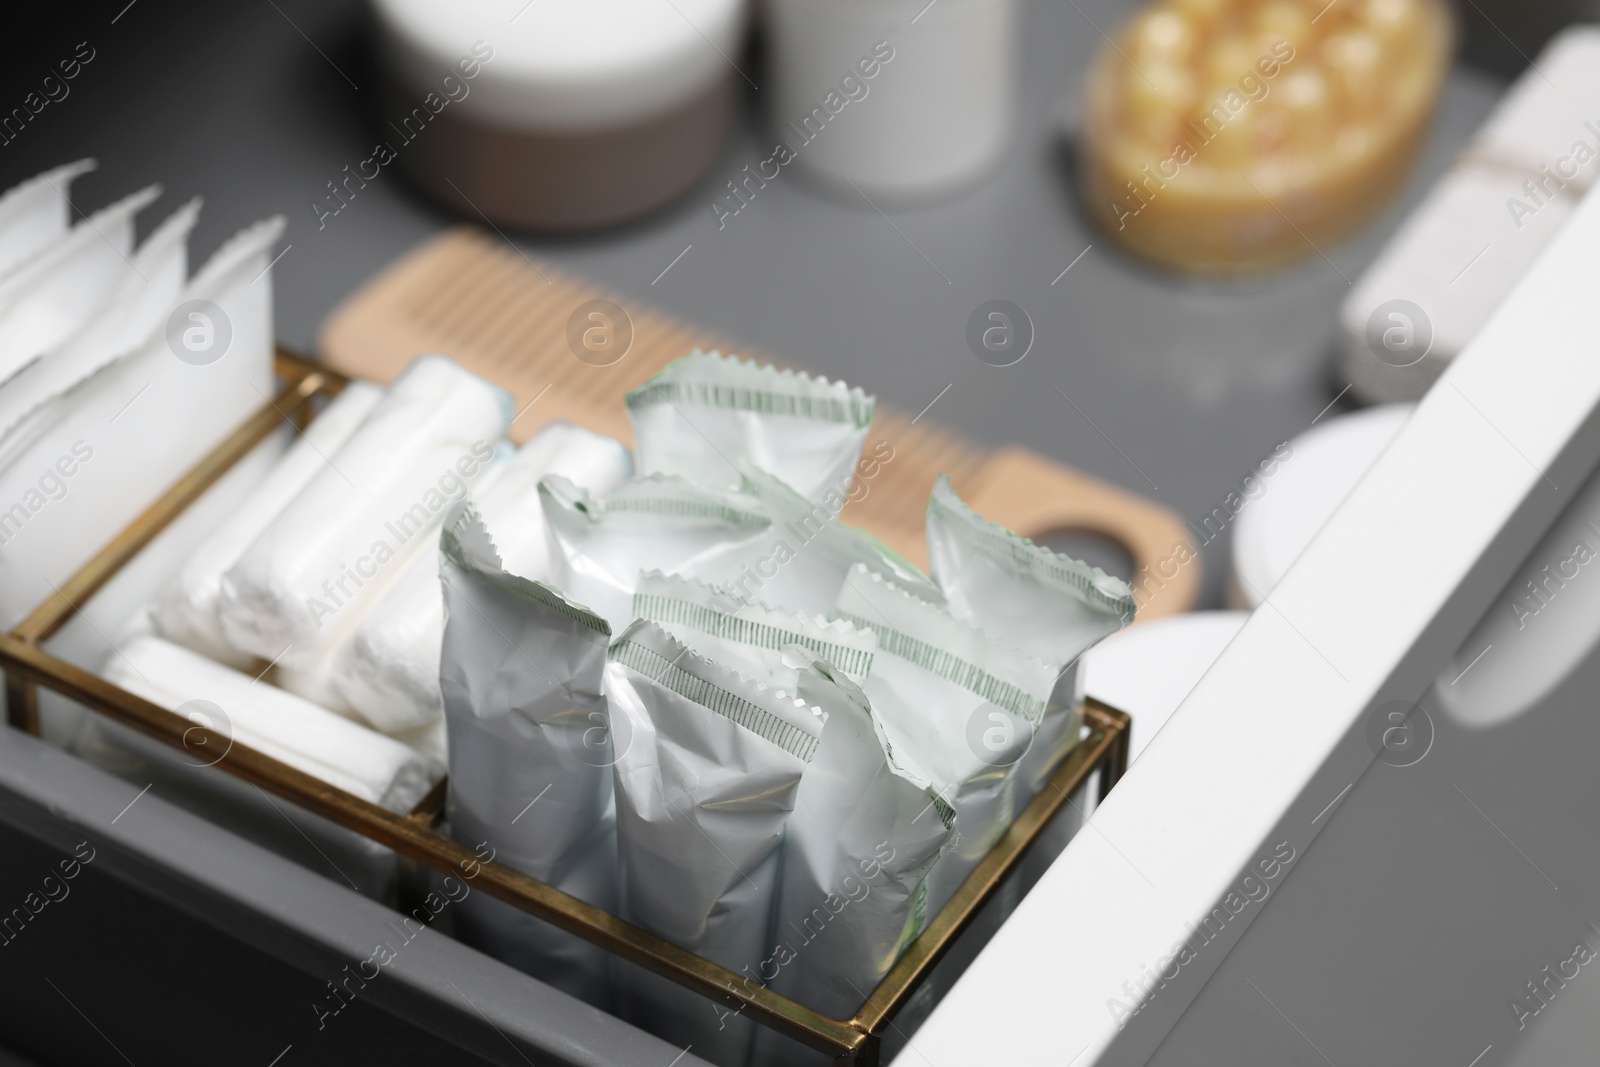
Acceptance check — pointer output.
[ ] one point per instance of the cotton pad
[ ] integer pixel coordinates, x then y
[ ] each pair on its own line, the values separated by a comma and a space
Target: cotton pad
1540, 631
1322, 465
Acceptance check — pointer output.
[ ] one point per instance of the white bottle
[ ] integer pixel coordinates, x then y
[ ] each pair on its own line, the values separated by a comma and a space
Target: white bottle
901, 99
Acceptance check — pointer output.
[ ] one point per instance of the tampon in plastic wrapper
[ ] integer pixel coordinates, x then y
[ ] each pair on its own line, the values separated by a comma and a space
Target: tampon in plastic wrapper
186, 612
328, 555
344, 754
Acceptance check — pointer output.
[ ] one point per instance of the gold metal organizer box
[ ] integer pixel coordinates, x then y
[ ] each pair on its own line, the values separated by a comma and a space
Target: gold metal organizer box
28, 665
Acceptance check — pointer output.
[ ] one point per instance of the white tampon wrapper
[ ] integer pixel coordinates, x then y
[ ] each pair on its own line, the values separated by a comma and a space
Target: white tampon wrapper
329, 555
316, 679
389, 669
1316, 471
344, 754
186, 612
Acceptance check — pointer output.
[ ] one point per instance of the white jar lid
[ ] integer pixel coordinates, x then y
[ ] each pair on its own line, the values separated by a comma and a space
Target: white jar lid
1147, 671
1307, 487
561, 64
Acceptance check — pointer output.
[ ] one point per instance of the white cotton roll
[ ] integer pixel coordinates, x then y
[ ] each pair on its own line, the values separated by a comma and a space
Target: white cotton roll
330, 554
186, 612
389, 670
35, 214
344, 754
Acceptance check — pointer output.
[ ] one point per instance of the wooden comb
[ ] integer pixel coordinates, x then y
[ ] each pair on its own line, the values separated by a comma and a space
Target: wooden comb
503, 316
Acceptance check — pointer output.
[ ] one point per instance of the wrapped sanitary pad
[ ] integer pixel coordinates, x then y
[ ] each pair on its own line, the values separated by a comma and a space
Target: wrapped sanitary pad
530, 753
748, 637
1049, 606
50, 297
708, 766
706, 413
801, 561
655, 523
90, 460
959, 709
857, 851
35, 214
328, 556
135, 308
864, 831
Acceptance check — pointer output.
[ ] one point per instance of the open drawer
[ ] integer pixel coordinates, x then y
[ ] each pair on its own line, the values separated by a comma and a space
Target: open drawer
393, 857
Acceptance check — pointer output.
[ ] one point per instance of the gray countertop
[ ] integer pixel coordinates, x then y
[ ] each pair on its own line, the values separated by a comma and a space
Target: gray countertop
1182, 385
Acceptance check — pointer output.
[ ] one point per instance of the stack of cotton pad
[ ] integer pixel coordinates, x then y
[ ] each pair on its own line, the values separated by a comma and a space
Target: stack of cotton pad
1480, 228
1320, 468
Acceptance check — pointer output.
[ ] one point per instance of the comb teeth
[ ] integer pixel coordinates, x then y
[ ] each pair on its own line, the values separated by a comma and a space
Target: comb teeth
468, 295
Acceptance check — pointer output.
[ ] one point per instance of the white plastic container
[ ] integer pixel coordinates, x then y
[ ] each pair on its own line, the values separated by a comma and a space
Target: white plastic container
902, 99
555, 114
